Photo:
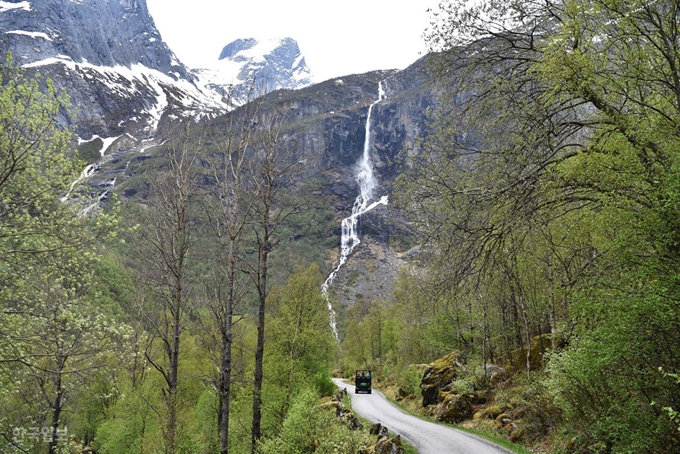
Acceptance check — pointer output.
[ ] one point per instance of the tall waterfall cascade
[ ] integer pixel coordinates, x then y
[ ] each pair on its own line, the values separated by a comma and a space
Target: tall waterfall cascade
366, 181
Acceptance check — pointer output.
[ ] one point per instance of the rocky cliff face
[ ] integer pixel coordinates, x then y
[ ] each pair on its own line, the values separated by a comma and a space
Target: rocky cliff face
328, 123
110, 58
397, 124
100, 32
329, 120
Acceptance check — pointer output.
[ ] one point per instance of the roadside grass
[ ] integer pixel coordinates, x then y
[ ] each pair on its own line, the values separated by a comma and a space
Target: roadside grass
408, 449
504, 442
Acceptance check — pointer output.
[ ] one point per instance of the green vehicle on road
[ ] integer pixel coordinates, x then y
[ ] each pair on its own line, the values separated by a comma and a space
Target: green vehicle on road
362, 381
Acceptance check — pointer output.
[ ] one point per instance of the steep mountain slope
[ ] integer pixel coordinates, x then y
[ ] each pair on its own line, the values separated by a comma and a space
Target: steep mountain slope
327, 123
110, 59
127, 87
131, 91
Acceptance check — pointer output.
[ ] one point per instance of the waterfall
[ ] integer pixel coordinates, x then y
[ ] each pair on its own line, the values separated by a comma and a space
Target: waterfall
366, 181
86, 173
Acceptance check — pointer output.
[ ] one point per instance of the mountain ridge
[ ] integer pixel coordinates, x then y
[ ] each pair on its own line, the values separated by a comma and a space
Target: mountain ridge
127, 110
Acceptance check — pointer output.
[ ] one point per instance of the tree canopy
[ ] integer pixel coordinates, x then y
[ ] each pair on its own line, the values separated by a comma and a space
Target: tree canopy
548, 194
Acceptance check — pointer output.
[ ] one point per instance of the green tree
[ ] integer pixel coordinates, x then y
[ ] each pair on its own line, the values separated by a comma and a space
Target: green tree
227, 208
550, 182
164, 241
272, 169
34, 161
54, 340
301, 341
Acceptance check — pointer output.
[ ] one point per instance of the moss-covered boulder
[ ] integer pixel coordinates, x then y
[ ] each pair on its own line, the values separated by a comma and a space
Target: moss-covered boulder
438, 375
533, 356
491, 411
454, 408
389, 446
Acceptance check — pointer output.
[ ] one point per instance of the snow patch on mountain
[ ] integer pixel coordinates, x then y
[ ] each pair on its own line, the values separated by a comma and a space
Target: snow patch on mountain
29, 34
106, 142
136, 81
7, 6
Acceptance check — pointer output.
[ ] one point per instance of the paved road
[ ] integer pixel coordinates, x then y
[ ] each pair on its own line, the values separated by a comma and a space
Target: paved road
426, 437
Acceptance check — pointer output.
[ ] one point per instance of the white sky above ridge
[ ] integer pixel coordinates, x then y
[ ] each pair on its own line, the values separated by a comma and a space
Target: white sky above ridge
338, 38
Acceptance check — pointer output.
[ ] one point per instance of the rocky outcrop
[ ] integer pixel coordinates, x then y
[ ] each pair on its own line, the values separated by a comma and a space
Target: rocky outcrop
494, 374
448, 395
437, 376
384, 444
343, 413
389, 446
454, 408
378, 429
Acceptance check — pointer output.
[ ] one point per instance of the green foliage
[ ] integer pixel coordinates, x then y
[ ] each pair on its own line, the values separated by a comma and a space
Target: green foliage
409, 379
115, 290
324, 385
531, 404
135, 420
90, 152
672, 413
131, 424
202, 435
300, 328
548, 194
55, 341
600, 383
310, 429
301, 343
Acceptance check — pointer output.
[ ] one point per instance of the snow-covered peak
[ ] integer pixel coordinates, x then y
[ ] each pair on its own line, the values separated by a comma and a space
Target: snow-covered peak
271, 64
112, 61
252, 49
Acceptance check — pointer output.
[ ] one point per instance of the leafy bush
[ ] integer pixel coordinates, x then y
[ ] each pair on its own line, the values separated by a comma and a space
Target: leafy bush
90, 152
409, 379
324, 385
309, 429
463, 385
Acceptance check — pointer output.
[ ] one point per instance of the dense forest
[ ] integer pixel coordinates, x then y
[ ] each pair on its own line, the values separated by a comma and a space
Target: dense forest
190, 318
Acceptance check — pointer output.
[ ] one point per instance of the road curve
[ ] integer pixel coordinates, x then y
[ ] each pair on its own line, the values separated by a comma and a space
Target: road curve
425, 437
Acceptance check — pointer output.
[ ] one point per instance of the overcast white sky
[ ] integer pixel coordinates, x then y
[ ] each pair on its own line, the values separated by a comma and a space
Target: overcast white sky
336, 38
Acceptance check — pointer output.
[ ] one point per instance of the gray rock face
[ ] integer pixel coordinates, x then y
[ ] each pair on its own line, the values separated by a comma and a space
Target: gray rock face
329, 120
232, 49
110, 59
278, 62
99, 32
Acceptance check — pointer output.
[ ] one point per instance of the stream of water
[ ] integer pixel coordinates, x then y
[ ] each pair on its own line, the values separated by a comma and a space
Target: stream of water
366, 181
